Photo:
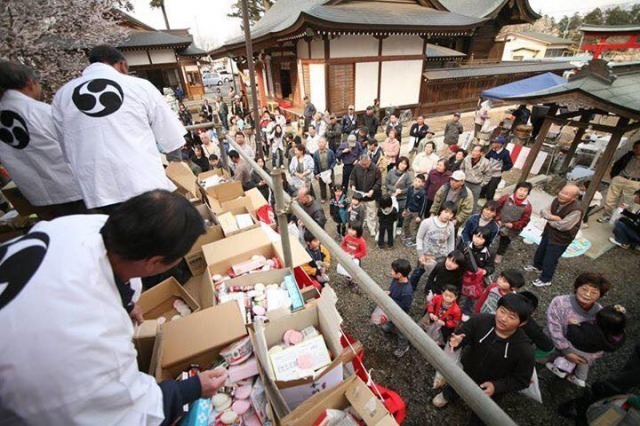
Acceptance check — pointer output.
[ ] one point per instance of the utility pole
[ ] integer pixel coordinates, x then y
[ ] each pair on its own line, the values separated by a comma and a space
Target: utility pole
252, 77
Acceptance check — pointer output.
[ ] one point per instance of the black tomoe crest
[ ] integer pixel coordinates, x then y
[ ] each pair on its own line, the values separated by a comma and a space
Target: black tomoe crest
98, 98
13, 129
19, 261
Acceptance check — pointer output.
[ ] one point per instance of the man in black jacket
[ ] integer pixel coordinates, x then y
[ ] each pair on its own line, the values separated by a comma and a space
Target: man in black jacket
625, 175
370, 121
367, 180
498, 356
417, 132
349, 121
333, 133
311, 206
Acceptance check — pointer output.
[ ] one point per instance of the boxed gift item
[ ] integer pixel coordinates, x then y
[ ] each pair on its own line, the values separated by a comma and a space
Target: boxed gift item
198, 339
247, 252
301, 353
350, 402
236, 220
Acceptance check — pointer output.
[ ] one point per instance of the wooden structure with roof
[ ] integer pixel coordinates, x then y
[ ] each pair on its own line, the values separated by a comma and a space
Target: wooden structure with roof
602, 38
166, 58
526, 45
594, 90
344, 52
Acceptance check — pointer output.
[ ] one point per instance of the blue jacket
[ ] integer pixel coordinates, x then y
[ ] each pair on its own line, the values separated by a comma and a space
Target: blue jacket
402, 294
504, 156
331, 157
472, 225
416, 201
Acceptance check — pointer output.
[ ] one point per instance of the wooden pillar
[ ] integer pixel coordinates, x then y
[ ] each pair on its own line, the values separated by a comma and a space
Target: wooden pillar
584, 118
535, 149
604, 162
327, 82
380, 38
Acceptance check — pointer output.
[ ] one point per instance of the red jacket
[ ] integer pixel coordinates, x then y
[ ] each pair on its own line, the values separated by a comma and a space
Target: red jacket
518, 225
356, 247
451, 316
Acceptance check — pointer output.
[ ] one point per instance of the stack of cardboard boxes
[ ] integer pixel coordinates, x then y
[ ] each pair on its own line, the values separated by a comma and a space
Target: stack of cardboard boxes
217, 333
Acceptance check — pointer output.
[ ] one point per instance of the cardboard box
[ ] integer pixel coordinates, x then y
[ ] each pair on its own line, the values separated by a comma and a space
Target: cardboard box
18, 201
195, 258
215, 172
221, 255
197, 339
352, 392
228, 196
158, 301
326, 319
144, 340
182, 176
229, 224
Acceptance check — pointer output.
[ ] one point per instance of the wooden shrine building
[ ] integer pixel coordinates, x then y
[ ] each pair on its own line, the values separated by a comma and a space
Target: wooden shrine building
343, 52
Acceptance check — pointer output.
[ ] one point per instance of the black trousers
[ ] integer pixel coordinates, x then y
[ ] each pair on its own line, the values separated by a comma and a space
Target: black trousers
503, 245
346, 174
450, 395
489, 191
385, 229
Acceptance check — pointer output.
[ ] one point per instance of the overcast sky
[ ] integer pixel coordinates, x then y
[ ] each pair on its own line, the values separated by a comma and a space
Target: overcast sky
208, 19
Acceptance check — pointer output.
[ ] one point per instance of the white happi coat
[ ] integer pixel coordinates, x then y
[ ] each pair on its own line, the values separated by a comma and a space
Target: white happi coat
31, 153
67, 356
109, 124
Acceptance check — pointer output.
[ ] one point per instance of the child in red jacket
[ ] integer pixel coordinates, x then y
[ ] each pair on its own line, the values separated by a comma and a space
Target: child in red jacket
443, 309
355, 246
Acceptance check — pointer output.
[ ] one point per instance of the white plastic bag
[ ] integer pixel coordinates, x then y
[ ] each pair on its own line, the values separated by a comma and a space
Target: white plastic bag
378, 317
617, 214
533, 391
486, 127
454, 356
341, 271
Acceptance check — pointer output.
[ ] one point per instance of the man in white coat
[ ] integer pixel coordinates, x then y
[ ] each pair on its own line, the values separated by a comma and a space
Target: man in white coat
30, 150
110, 126
64, 302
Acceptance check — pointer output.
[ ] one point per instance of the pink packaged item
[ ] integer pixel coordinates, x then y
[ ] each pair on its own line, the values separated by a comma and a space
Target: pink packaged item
245, 370
249, 265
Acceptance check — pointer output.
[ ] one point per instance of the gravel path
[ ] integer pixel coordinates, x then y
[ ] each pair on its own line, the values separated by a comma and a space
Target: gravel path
412, 376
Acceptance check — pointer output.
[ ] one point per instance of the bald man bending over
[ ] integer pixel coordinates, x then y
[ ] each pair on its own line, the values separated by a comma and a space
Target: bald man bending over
563, 223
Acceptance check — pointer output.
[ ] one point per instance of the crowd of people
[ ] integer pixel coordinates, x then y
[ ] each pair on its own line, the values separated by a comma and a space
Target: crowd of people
430, 199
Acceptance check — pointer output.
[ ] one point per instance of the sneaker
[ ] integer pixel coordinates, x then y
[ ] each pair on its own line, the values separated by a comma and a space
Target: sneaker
439, 400
614, 241
578, 382
381, 246
498, 258
604, 219
399, 352
531, 268
411, 244
399, 231
584, 226
555, 370
540, 283
465, 317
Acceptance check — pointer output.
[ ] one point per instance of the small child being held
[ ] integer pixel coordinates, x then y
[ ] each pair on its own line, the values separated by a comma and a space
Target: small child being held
387, 217
402, 293
479, 266
443, 309
355, 246
590, 341
320, 259
509, 281
338, 209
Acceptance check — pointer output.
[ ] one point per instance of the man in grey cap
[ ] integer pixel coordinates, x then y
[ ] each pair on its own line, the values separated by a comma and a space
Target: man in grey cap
453, 130
459, 194
348, 152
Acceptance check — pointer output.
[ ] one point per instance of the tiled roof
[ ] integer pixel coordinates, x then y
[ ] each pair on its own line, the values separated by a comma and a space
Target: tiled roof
497, 69
153, 38
435, 51
608, 28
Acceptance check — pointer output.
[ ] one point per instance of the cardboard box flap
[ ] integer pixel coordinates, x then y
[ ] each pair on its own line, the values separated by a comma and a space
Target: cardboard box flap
256, 198
299, 255
182, 176
226, 191
236, 245
198, 333
370, 408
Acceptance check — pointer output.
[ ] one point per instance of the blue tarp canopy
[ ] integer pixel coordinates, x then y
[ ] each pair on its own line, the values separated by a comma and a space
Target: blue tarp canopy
522, 87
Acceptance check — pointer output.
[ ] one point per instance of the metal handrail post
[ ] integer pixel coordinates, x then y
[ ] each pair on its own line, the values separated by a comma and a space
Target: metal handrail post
281, 215
469, 391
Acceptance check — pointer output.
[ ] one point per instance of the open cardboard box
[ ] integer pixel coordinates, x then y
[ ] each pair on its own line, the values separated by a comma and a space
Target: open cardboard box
352, 392
229, 224
155, 303
326, 319
227, 196
195, 258
215, 172
221, 255
182, 176
198, 339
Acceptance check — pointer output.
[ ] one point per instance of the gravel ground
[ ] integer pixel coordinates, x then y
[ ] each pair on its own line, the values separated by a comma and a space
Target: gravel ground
412, 376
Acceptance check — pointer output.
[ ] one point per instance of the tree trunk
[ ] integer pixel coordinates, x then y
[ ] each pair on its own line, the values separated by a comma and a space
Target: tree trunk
164, 13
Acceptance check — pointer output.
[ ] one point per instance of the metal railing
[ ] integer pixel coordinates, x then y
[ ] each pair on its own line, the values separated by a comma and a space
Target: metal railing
468, 390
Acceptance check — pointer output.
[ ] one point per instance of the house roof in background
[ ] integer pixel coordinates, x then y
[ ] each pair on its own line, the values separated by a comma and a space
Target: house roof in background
609, 28
544, 38
149, 39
